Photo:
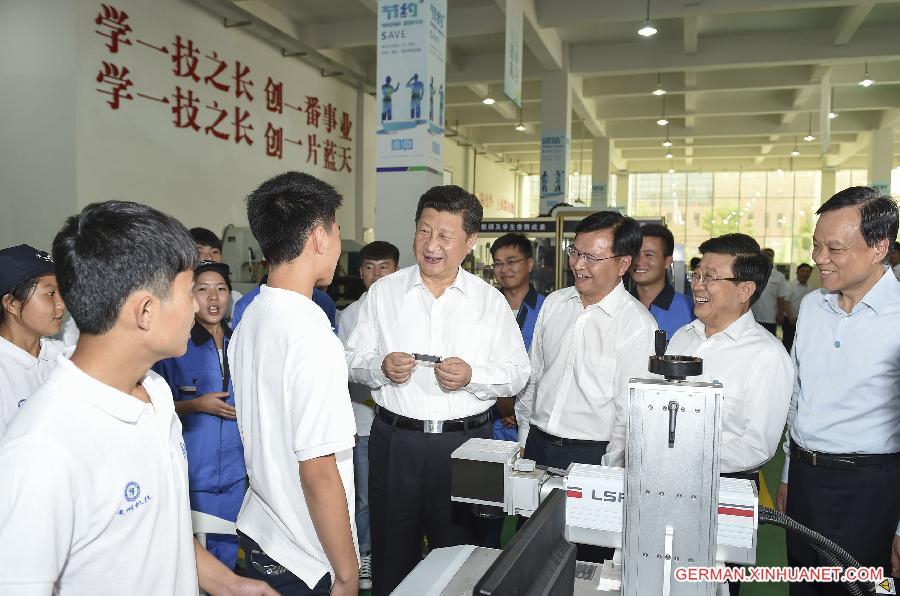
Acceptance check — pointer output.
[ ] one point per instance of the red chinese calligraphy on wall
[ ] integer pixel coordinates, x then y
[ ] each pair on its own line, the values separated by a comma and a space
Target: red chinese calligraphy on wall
192, 109
112, 22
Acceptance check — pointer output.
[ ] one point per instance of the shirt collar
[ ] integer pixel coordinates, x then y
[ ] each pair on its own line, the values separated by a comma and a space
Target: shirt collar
531, 297
462, 283
883, 294
734, 331
18, 355
609, 303
664, 299
200, 336
126, 408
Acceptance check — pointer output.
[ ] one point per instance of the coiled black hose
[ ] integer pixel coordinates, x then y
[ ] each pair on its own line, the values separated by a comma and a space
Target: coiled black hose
831, 552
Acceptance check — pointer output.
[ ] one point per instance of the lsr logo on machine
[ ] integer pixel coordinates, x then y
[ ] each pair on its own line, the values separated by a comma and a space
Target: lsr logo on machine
608, 496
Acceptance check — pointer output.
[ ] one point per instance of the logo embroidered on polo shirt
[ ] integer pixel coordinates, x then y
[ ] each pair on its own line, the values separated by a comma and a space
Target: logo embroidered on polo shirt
133, 499
132, 491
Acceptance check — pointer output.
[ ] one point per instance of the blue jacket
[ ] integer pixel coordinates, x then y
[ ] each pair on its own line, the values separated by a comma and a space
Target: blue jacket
671, 310
526, 318
528, 314
214, 450
319, 297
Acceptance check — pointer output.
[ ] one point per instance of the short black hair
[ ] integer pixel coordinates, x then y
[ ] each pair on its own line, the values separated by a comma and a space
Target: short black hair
626, 232
453, 199
804, 265
896, 245
652, 230
379, 251
205, 237
285, 209
111, 250
694, 262
21, 293
750, 264
513, 240
878, 214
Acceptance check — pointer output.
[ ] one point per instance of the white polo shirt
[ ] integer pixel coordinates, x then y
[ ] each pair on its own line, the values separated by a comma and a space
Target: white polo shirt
290, 390
93, 492
21, 374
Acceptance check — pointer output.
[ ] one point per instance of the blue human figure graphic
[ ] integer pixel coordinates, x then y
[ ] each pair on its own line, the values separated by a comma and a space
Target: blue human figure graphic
431, 100
386, 103
417, 92
441, 109
544, 181
557, 187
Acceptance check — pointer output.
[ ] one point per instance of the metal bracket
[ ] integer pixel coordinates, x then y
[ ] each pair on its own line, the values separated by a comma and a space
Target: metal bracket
325, 75
237, 24
288, 54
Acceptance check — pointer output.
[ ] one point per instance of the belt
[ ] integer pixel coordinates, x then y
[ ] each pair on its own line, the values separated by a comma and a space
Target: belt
433, 426
841, 460
563, 442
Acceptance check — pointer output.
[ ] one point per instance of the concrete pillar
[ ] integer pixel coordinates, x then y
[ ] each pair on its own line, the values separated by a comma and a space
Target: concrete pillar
556, 132
622, 191
828, 184
881, 159
600, 173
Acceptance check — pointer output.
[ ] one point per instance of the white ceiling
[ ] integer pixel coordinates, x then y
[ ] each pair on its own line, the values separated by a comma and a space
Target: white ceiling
744, 76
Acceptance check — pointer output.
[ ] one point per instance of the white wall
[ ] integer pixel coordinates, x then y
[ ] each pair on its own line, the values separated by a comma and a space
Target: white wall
495, 184
37, 129
62, 146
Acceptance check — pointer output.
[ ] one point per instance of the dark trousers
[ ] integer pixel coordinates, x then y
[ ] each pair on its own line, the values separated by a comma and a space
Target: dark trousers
788, 330
409, 499
264, 568
546, 452
857, 508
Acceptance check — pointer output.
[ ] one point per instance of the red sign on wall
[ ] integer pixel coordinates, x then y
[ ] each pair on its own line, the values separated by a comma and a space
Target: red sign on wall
224, 109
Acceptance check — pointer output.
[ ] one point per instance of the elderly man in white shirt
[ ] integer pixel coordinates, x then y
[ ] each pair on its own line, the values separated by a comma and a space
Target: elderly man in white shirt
437, 345
588, 341
750, 363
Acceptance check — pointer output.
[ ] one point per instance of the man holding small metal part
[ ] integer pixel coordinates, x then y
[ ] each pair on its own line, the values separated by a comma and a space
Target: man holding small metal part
437, 345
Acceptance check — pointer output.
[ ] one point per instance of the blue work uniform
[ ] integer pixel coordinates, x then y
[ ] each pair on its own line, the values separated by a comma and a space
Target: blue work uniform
217, 477
526, 318
671, 310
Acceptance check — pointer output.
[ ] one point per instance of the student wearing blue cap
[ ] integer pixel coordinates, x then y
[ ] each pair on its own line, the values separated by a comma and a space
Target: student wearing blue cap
31, 312
200, 381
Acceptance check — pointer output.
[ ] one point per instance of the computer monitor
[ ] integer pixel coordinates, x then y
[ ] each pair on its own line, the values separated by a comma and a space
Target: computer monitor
538, 561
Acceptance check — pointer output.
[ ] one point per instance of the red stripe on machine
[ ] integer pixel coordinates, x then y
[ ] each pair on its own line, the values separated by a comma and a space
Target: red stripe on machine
575, 494
735, 511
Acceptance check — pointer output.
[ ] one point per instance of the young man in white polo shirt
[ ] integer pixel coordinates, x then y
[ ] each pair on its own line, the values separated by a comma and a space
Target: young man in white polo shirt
93, 469
293, 408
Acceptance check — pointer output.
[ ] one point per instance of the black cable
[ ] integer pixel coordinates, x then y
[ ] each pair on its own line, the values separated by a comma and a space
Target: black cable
831, 552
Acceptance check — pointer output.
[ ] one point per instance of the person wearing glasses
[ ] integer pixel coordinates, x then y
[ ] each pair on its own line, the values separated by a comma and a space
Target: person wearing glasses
588, 341
513, 263
751, 364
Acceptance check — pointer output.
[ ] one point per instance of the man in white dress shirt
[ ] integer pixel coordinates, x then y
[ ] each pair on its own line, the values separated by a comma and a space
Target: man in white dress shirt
426, 409
842, 475
588, 341
769, 309
797, 289
750, 363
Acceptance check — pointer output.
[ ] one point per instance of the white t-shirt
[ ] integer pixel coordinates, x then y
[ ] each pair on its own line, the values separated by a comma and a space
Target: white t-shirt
290, 390
21, 374
360, 395
93, 492
765, 309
